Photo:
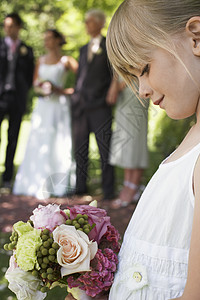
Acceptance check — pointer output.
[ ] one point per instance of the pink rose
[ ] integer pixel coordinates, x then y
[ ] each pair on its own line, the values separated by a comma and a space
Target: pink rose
48, 217
95, 215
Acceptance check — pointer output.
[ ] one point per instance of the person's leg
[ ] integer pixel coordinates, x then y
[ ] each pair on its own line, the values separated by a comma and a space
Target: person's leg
132, 179
13, 133
80, 133
100, 122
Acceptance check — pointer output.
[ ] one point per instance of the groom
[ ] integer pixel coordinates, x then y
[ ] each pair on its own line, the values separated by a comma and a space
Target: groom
95, 90
16, 74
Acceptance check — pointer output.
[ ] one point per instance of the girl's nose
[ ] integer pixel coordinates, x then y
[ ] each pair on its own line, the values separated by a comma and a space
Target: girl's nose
145, 90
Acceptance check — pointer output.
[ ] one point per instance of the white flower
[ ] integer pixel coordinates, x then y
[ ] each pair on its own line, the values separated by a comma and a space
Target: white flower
134, 277
23, 50
24, 285
76, 250
99, 51
93, 203
78, 294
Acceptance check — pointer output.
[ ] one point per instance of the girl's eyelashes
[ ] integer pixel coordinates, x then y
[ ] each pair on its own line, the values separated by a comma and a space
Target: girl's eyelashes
145, 70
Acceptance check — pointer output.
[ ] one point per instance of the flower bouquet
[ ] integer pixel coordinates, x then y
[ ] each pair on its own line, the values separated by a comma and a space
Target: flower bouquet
43, 88
74, 248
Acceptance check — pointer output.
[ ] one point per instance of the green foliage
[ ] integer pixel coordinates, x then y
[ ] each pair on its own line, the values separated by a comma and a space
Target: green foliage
169, 133
66, 15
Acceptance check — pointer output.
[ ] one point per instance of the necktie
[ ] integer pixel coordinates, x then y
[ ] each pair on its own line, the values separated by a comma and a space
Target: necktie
90, 52
13, 46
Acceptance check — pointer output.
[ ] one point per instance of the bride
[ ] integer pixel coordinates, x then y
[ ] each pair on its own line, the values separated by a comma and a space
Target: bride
48, 167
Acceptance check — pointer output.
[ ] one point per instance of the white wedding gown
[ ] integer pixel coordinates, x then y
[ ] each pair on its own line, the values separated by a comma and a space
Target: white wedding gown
48, 167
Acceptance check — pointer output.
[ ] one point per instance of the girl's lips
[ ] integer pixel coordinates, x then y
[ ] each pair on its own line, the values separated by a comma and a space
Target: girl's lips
158, 101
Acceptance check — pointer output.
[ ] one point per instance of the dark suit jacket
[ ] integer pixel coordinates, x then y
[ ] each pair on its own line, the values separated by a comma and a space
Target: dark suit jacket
93, 80
23, 72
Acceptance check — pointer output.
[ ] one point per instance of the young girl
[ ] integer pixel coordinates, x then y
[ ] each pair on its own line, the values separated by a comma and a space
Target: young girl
157, 44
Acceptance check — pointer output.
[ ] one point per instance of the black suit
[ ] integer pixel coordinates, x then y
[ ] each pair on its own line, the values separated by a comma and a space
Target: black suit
13, 102
90, 113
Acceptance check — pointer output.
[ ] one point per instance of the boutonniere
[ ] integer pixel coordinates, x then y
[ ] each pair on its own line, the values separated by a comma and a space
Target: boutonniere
96, 49
99, 51
23, 50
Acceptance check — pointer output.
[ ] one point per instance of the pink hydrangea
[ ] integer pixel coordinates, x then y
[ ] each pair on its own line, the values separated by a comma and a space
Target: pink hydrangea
95, 215
48, 217
101, 276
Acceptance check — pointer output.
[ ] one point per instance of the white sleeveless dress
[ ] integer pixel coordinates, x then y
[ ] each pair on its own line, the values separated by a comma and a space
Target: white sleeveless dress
153, 260
48, 167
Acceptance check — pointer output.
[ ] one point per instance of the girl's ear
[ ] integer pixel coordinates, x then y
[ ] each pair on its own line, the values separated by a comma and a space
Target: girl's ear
193, 30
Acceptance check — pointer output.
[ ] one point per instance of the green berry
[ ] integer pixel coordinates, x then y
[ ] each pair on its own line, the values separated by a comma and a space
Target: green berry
14, 243
35, 273
86, 230
47, 244
77, 226
44, 275
81, 221
11, 238
86, 226
44, 251
40, 261
74, 222
10, 246
55, 246
44, 237
79, 216
50, 276
49, 270
81, 229
6, 247
42, 271
52, 251
50, 240
51, 258
44, 266
46, 260
85, 217
39, 254
69, 222
45, 232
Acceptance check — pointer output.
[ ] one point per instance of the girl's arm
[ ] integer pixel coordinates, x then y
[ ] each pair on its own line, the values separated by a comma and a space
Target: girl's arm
192, 288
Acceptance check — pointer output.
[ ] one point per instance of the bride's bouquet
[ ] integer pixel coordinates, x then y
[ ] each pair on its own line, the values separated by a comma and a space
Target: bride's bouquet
43, 88
74, 248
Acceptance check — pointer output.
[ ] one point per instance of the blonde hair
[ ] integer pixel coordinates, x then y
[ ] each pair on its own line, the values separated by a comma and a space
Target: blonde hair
140, 25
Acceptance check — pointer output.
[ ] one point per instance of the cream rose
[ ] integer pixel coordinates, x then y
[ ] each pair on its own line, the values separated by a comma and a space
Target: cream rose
76, 250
